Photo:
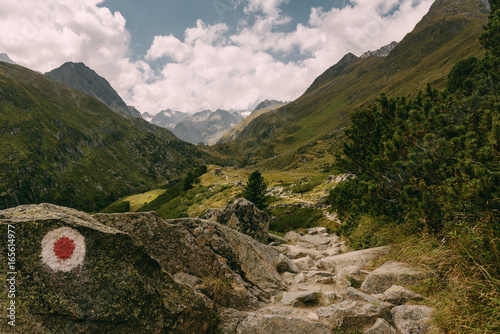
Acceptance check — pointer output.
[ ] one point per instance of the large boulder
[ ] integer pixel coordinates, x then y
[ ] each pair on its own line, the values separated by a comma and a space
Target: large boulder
391, 273
76, 275
242, 216
236, 271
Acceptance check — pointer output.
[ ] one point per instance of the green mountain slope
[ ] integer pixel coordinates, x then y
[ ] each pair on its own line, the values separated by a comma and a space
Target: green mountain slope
62, 146
314, 122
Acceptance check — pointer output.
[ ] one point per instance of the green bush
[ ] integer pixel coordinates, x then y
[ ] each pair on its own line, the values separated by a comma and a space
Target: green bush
301, 188
255, 190
293, 218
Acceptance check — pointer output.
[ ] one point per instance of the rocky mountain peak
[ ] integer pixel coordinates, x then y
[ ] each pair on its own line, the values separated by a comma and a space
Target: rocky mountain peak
206, 126
81, 77
5, 58
382, 52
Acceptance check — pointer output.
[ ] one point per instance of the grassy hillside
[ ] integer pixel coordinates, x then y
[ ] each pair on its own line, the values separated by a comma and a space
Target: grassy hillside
313, 124
62, 146
236, 130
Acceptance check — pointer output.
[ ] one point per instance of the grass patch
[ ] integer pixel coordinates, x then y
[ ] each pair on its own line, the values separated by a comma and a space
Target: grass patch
138, 201
305, 187
465, 285
117, 207
216, 289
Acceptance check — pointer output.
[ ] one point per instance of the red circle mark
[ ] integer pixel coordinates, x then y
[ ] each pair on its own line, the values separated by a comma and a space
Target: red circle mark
64, 247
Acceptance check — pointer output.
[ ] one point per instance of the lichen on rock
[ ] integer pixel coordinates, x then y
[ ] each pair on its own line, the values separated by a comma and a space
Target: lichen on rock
118, 287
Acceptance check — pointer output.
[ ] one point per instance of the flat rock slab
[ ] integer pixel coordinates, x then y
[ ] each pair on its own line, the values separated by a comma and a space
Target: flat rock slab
352, 315
275, 324
358, 259
412, 319
275, 320
292, 236
356, 295
289, 312
296, 252
300, 298
391, 273
316, 239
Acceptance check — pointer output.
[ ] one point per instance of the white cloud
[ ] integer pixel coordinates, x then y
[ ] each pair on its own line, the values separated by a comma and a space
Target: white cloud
209, 68
42, 35
218, 70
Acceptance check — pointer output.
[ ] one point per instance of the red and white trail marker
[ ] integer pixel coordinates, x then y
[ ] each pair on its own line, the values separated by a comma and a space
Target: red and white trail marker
63, 249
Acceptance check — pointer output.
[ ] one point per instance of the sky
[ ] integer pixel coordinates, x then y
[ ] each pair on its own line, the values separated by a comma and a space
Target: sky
192, 55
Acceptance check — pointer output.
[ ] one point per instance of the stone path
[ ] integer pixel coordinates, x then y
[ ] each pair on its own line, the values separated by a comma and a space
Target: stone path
328, 291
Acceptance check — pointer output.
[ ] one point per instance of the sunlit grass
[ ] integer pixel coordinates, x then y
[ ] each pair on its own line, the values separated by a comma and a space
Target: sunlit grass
139, 200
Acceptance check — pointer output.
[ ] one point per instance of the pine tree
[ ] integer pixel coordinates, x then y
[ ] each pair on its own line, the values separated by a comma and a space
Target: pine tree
255, 191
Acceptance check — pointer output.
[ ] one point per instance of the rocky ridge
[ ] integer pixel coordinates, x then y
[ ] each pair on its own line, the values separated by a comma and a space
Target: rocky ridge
80, 77
382, 52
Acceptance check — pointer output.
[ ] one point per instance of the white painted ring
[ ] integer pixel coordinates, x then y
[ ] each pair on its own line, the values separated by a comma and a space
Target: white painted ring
63, 249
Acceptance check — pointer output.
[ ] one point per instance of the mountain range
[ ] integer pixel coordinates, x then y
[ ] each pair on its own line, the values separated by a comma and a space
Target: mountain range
206, 126
311, 127
59, 143
166, 118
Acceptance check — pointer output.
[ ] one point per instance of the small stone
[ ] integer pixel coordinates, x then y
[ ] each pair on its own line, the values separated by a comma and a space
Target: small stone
324, 280
317, 230
381, 326
357, 295
288, 278
332, 297
274, 239
398, 295
412, 319
300, 278
358, 259
285, 264
187, 279
299, 298
292, 236
304, 263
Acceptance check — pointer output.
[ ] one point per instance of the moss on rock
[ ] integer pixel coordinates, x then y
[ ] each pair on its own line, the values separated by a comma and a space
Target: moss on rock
118, 288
